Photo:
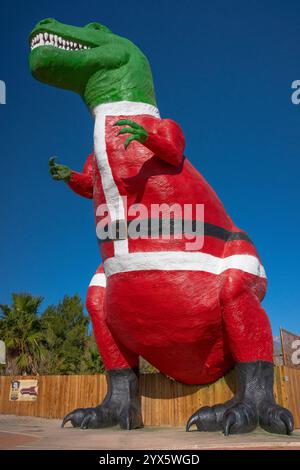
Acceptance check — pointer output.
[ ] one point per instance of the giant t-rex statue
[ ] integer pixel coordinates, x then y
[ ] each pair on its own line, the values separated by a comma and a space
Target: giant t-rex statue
193, 314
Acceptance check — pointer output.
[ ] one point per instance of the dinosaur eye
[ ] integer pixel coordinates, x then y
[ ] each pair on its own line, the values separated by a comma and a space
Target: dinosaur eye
97, 27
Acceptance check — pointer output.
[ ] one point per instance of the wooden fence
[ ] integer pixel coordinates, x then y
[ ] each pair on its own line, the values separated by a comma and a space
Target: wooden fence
164, 401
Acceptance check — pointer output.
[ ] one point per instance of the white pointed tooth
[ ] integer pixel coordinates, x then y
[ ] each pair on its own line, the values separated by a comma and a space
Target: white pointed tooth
46, 35
59, 40
80, 46
84, 47
51, 37
41, 39
71, 44
75, 44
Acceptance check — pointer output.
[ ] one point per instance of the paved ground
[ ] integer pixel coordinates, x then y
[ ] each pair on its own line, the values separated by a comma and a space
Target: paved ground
38, 433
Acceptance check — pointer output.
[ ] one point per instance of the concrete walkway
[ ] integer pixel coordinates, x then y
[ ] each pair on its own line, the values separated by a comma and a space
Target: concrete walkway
38, 433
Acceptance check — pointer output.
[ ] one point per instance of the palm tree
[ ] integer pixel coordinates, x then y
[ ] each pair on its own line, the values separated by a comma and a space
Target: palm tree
65, 328
20, 329
92, 362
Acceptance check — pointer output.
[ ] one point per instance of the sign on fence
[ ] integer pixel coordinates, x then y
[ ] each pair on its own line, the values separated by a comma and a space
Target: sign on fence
290, 348
23, 390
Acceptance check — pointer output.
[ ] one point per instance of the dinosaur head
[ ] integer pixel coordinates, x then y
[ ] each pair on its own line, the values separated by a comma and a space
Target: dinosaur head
92, 61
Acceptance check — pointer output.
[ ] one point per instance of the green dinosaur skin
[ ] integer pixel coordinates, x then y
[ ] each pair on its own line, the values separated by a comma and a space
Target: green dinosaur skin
113, 69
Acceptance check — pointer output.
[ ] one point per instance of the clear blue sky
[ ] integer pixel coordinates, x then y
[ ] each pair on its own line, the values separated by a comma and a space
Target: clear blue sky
223, 70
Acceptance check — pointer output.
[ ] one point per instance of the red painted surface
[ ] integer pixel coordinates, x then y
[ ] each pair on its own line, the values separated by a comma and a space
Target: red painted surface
192, 326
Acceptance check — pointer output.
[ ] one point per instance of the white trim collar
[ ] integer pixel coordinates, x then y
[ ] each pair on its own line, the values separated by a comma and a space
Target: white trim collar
126, 108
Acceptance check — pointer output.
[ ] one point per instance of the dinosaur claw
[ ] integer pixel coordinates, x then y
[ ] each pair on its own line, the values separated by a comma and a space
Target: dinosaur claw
193, 420
229, 422
66, 419
85, 422
289, 422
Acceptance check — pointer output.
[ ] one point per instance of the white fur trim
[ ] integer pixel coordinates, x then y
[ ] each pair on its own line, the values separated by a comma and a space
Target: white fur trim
182, 261
99, 280
113, 198
126, 108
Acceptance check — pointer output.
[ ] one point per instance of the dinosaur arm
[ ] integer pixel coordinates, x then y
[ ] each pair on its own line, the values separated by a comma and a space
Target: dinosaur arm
167, 142
82, 183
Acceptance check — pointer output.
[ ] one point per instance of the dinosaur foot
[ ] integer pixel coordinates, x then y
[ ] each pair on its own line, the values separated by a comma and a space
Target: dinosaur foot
121, 405
253, 404
230, 417
103, 416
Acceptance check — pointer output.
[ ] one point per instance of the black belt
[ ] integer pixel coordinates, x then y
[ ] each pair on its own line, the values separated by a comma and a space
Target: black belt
154, 227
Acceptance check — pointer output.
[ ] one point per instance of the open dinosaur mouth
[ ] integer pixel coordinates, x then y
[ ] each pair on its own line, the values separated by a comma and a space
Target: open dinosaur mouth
46, 39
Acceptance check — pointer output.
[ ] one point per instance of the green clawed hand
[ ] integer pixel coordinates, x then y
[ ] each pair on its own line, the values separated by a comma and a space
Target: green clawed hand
59, 172
138, 132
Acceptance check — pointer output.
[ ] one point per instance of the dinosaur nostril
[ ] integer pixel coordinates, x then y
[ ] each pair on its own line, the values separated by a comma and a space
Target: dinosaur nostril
46, 21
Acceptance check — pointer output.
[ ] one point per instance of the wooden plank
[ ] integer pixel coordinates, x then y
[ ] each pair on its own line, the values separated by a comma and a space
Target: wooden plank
293, 393
282, 346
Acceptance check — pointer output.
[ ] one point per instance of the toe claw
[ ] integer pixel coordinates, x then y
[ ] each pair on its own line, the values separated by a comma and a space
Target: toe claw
85, 422
229, 421
193, 420
277, 420
288, 421
67, 418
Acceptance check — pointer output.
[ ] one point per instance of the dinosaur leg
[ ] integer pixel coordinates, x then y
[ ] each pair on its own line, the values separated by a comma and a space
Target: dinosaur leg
122, 402
250, 338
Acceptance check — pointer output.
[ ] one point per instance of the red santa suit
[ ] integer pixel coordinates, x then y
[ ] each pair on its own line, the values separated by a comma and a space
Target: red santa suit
190, 312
